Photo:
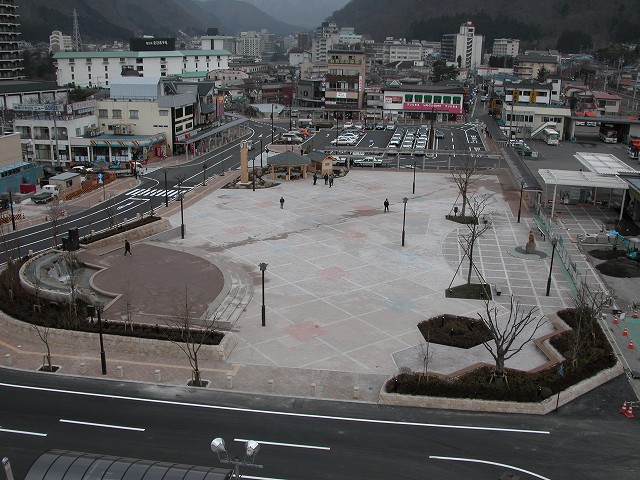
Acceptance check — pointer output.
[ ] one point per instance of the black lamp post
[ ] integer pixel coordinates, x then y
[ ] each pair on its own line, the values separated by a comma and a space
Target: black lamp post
261, 150
13, 218
181, 195
263, 268
204, 174
414, 177
98, 309
404, 217
520, 205
166, 191
272, 123
554, 242
222, 162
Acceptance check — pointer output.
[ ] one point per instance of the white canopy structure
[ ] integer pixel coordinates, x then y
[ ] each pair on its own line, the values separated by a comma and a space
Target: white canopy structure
604, 164
593, 180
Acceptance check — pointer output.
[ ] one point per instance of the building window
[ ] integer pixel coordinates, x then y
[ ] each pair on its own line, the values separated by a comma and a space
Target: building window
88, 68
73, 76
116, 113
103, 113
437, 99
163, 113
78, 132
428, 99
163, 59
163, 74
72, 69
106, 68
139, 68
457, 100
139, 60
419, 98
447, 99
106, 76
133, 114
408, 98
89, 76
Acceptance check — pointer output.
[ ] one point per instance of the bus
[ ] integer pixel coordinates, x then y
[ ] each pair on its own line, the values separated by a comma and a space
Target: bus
550, 136
608, 134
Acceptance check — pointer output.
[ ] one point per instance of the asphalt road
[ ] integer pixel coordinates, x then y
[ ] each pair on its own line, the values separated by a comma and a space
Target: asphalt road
309, 439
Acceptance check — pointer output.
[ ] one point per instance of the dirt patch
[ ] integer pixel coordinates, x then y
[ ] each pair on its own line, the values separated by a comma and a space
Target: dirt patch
620, 268
455, 331
607, 253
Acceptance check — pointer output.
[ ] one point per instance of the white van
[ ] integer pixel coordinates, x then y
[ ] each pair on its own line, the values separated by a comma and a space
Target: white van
52, 189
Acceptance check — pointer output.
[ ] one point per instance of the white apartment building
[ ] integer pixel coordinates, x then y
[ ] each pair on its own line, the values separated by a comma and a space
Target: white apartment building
506, 47
328, 36
464, 44
89, 69
249, 44
59, 42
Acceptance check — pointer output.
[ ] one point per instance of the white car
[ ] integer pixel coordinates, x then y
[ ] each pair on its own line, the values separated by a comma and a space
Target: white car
344, 141
367, 162
348, 125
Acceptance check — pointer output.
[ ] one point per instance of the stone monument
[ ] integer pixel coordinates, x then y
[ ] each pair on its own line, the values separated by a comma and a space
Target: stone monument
531, 244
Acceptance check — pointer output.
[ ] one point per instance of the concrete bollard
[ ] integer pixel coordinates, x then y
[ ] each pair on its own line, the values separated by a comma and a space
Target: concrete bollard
270, 382
119, 371
356, 392
8, 361
229, 382
313, 389
157, 375
83, 368
30, 253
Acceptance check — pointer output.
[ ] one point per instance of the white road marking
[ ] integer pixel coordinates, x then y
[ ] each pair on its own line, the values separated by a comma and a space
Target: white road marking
23, 432
272, 412
294, 445
123, 206
103, 425
474, 460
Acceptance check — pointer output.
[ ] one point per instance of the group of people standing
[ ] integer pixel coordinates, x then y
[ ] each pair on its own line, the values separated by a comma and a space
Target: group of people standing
328, 179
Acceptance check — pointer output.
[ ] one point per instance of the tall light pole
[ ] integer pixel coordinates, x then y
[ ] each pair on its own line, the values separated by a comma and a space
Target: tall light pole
272, 123
404, 217
520, 205
251, 449
263, 268
166, 191
414, 177
261, 150
554, 242
181, 215
98, 309
204, 174
13, 218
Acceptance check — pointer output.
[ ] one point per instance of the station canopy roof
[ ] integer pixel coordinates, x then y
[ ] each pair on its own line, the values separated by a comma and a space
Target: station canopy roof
581, 179
604, 164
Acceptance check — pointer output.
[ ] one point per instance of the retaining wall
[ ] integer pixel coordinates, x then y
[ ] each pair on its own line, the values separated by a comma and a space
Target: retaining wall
138, 233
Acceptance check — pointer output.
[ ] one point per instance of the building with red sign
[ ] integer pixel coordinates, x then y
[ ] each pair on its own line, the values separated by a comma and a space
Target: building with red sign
444, 103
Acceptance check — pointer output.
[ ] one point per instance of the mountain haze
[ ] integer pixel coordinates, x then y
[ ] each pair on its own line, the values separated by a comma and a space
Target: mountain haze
306, 13
120, 19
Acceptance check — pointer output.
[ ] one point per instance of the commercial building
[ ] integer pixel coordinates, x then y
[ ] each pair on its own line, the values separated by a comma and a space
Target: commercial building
10, 60
506, 47
149, 57
464, 47
529, 66
249, 45
345, 79
441, 103
59, 42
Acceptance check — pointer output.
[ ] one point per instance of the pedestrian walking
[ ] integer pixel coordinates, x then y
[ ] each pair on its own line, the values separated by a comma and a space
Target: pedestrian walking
330, 180
326, 178
315, 178
281, 203
386, 204
127, 248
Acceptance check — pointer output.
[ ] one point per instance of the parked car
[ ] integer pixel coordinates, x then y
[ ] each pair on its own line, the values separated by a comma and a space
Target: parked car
367, 162
344, 141
291, 137
359, 127
347, 125
379, 126
439, 134
522, 149
391, 126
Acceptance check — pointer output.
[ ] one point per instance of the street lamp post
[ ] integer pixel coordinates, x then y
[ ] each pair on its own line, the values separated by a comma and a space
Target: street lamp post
166, 191
404, 217
98, 309
181, 196
13, 218
204, 174
263, 268
554, 242
251, 449
520, 205
261, 150
222, 163
272, 123
414, 177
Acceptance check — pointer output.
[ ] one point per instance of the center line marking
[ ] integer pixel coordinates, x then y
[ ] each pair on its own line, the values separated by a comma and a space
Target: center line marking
119, 427
22, 432
295, 445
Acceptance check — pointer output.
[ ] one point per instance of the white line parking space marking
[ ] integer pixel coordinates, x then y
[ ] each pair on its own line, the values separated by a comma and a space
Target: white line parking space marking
294, 445
272, 412
23, 432
474, 460
103, 425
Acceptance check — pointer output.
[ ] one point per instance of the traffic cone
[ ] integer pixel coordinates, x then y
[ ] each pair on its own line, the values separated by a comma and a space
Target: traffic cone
623, 409
630, 346
629, 413
635, 314
625, 333
615, 320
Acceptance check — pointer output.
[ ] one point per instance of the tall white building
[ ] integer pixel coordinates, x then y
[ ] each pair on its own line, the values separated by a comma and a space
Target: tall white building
59, 42
465, 46
328, 36
506, 46
249, 44
89, 69
10, 60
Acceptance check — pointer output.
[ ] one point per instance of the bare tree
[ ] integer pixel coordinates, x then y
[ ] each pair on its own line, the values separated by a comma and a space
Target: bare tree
520, 325
72, 267
588, 307
55, 213
425, 355
192, 336
465, 174
43, 333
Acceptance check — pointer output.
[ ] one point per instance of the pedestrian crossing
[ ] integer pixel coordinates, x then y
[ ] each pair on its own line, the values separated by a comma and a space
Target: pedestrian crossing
157, 192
